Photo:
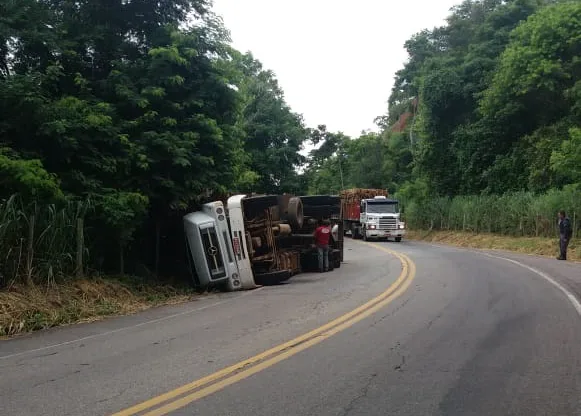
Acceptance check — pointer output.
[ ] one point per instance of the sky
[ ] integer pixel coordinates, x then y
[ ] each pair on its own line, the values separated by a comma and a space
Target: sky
335, 61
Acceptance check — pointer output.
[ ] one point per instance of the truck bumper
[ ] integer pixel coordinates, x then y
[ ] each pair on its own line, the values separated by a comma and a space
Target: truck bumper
384, 233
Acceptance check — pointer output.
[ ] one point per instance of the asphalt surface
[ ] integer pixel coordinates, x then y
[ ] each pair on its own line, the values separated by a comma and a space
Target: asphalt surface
472, 335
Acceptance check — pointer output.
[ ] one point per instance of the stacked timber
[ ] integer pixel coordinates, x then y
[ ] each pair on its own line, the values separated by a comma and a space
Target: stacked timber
357, 194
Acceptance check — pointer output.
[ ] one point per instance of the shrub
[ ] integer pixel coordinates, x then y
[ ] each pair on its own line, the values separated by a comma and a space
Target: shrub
514, 214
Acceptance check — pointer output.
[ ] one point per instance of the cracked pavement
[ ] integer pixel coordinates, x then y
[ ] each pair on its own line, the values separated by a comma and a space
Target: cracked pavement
472, 335
364, 390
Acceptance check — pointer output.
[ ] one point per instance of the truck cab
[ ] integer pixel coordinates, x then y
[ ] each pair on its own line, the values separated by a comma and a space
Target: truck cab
209, 248
380, 218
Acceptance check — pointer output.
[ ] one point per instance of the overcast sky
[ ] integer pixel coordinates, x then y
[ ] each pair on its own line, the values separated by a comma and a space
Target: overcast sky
335, 60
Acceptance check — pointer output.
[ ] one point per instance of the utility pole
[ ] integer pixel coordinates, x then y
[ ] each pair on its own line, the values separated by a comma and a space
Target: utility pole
340, 156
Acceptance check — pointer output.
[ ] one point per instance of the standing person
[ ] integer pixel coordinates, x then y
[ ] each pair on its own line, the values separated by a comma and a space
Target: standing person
322, 234
565, 233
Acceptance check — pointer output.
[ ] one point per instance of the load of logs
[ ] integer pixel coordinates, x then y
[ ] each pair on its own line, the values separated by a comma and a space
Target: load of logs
356, 194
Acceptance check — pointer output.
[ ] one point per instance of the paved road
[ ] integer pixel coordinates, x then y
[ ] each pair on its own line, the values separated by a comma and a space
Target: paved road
471, 335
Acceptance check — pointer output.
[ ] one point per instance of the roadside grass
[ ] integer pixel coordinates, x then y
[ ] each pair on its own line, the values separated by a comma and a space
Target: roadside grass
42, 247
30, 308
540, 246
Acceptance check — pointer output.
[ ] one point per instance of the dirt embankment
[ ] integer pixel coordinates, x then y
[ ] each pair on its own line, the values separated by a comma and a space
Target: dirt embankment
25, 309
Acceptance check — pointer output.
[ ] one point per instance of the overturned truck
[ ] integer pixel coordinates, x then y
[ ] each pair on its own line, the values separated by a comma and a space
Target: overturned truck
259, 239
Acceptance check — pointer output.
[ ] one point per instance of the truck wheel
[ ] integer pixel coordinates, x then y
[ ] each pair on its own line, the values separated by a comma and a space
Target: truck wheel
397, 239
295, 213
272, 278
364, 234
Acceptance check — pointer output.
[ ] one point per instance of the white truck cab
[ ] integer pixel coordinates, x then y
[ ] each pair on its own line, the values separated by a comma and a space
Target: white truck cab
216, 244
209, 248
380, 218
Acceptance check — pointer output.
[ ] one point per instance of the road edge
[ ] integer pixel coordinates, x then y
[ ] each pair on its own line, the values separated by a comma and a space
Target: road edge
572, 298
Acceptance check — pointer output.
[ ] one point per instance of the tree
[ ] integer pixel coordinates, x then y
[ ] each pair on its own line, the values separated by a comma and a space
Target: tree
327, 169
448, 71
274, 135
536, 85
27, 178
142, 107
567, 160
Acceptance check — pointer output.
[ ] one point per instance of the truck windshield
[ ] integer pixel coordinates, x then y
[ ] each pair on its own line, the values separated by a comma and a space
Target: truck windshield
382, 208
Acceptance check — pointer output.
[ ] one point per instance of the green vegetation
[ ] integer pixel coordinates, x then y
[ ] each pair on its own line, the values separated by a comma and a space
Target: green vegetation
482, 132
514, 214
115, 120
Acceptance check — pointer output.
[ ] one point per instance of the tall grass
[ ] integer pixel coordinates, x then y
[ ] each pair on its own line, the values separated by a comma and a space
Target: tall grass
515, 214
38, 242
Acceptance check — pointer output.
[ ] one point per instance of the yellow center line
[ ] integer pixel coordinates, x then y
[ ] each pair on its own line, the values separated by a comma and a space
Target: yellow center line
253, 365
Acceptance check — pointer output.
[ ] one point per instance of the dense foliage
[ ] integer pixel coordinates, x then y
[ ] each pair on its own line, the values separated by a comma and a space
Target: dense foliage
138, 110
492, 108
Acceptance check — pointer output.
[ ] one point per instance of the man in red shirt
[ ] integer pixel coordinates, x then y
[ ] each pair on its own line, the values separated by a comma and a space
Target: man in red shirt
322, 235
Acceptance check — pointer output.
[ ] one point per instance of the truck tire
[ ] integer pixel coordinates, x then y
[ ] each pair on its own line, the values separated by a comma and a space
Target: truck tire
272, 278
295, 213
398, 239
337, 262
354, 233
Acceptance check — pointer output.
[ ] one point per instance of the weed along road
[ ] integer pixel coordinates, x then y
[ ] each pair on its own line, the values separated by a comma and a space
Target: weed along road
400, 329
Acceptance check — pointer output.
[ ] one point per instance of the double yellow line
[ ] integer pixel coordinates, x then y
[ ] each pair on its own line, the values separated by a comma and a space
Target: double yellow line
182, 396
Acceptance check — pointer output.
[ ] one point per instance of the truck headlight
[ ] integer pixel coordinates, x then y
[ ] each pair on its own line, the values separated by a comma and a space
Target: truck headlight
401, 225
371, 226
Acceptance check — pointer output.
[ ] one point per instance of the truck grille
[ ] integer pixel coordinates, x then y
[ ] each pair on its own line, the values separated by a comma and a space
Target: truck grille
387, 224
213, 253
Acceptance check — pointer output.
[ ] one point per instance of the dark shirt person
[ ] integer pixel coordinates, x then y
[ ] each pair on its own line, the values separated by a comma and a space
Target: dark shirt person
565, 233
